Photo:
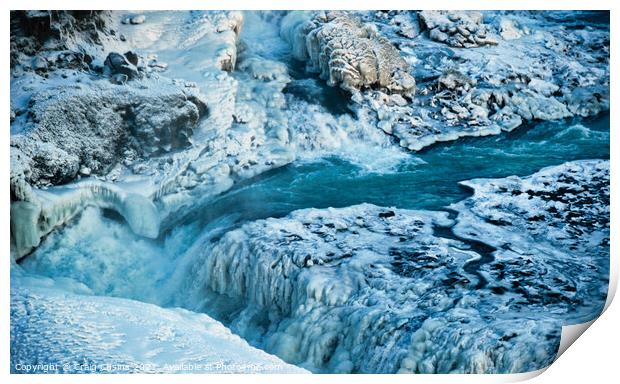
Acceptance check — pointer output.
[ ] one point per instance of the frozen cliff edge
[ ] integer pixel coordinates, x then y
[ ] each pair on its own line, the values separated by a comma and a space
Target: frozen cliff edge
47, 209
81, 110
331, 290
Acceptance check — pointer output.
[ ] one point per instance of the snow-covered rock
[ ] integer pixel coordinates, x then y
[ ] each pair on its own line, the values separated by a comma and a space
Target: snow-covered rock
69, 127
552, 232
333, 290
457, 28
347, 53
56, 39
509, 83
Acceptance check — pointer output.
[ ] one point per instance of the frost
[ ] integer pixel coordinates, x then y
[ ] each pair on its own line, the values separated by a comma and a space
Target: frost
457, 28
347, 53
74, 332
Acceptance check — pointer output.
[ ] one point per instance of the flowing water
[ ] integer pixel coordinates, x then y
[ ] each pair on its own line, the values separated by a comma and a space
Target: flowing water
425, 180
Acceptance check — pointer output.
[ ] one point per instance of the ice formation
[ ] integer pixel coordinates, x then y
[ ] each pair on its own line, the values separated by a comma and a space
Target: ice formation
462, 29
347, 53
532, 77
552, 234
61, 328
331, 290
46, 210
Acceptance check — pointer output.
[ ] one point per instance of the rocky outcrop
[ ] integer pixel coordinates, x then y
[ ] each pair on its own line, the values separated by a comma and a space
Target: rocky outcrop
122, 67
462, 29
56, 39
478, 90
69, 130
347, 53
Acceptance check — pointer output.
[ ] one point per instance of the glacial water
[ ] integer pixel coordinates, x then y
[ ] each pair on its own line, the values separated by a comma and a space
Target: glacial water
425, 180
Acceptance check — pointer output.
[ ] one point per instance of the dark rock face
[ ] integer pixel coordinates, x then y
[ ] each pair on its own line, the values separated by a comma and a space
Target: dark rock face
35, 31
69, 129
126, 64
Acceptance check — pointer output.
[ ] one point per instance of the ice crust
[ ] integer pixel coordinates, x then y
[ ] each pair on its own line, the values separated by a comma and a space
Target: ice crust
518, 77
71, 331
463, 29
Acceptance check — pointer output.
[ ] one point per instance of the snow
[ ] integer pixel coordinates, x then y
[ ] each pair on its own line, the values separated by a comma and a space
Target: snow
62, 331
552, 228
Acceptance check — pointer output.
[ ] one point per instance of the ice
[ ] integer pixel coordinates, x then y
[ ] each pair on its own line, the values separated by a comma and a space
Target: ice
552, 228
365, 288
333, 290
31, 220
347, 53
216, 98
63, 331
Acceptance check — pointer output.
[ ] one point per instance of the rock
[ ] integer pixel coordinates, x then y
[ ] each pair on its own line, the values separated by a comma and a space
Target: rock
407, 25
462, 29
69, 129
454, 80
132, 57
47, 33
39, 64
139, 19
545, 88
347, 53
116, 63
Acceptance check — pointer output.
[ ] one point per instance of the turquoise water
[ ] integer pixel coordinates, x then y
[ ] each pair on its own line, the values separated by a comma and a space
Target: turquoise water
424, 180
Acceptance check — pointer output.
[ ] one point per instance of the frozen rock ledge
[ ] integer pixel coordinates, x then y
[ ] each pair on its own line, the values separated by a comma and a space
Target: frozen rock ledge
346, 52
371, 289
